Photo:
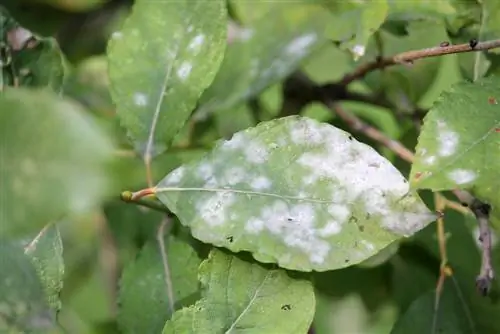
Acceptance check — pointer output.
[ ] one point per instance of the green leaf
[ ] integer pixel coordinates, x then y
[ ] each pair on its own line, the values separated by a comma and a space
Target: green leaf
166, 55
296, 192
236, 296
46, 252
263, 53
450, 316
23, 306
420, 9
354, 22
143, 293
54, 162
458, 145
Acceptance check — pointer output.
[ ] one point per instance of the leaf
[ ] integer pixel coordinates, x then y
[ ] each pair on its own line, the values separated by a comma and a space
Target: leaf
143, 293
296, 192
263, 53
23, 306
236, 296
35, 61
354, 22
458, 145
46, 252
450, 317
166, 55
55, 160
420, 9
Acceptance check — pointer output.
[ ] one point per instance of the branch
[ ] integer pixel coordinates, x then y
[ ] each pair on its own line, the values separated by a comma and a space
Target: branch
409, 57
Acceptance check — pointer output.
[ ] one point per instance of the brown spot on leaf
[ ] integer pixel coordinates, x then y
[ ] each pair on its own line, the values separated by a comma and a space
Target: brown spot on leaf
492, 100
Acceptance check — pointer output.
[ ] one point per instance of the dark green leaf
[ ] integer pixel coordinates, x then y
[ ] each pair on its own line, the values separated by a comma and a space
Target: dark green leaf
165, 56
239, 296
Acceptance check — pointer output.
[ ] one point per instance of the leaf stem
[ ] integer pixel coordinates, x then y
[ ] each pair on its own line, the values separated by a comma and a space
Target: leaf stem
409, 57
166, 267
141, 198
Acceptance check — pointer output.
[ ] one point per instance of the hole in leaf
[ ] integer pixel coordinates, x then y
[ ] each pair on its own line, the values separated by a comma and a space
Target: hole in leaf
286, 307
230, 238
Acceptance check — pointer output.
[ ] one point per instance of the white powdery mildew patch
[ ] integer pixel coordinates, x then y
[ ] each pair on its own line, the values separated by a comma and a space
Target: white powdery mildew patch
430, 160
140, 99
331, 228
260, 183
256, 152
358, 50
306, 132
295, 225
234, 175
214, 209
116, 35
175, 177
184, 70
462, 176
205, 171
448, 140
368, 245
299, 45
196, 43
238, 141
339, 212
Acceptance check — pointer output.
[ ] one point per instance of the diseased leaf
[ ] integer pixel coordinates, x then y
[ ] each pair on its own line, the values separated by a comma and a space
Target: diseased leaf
46, 252
296, 192
236, 296
450, 316
143, 293
263, 53
354, 22
54, 160
165, 56
458, 146
23, 306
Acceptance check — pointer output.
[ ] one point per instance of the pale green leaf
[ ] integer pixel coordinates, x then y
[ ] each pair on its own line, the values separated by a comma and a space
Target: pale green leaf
263, 53
420, 9
296, 192
23, 306
245, 297
354, 22
144, 306
46, 252
458, 145
54, 160
165, 56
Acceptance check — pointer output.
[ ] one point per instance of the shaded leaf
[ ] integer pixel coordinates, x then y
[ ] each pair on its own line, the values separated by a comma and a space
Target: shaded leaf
143, 292
236, 295
165, 56
296, 192
54, 160
263, 53
23, 306
354, 22
450, 317
46, 252
458, 146
420, 9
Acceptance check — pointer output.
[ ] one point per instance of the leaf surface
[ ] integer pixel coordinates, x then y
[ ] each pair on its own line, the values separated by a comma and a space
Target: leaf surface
165, 56
236, 296
296, 192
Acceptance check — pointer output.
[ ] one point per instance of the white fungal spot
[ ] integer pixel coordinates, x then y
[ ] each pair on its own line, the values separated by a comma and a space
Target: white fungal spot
339, 211
140, 99
236, 142
256, 153
190, 28
234, 175
260, 183
196, 43
174, 177
448, 140
184, 70
299, 45
116, 35
213, 211
306, 133
359, 50
205, 171
430, 160
462, 176
331, 228
477, 233
254, 225
368, 245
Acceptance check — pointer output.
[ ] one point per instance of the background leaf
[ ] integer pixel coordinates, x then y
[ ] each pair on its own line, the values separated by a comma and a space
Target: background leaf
24, 306
143, 298
46, 252
237, 293
165, 56
454, 152
45, 173
295, 192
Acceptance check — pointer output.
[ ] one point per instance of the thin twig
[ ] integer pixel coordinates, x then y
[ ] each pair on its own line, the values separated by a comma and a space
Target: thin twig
166, 267
409, 57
